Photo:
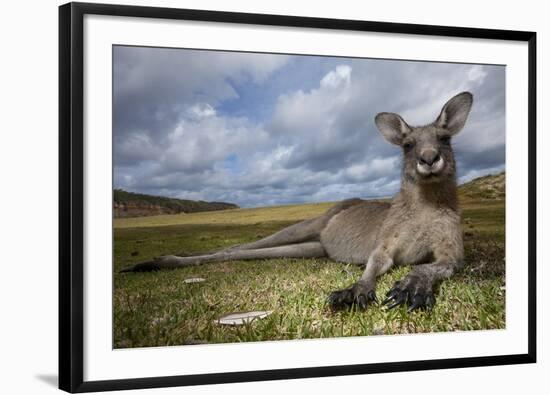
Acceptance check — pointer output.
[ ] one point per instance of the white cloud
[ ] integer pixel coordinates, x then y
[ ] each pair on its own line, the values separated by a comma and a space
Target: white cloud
341, 75
198, 144
477, 74
301, 113
137, 147
201, 110
375, 168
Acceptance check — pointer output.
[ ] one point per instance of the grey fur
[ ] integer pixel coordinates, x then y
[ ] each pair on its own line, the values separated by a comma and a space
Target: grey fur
421, 226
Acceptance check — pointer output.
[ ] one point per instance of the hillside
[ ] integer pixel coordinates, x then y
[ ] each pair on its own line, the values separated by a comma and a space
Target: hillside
485, 188
129, 204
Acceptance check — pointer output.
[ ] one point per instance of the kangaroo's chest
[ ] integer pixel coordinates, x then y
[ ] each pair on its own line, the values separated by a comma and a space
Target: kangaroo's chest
414, 238
413, 247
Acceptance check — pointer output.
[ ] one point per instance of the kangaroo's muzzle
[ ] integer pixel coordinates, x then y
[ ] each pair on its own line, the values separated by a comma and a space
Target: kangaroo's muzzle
427, 169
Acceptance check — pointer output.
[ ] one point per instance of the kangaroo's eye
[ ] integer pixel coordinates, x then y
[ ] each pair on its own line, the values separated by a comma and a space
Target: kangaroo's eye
407, 145
445, 139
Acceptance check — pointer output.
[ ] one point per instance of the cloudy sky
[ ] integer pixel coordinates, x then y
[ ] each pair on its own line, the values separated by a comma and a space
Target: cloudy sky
263, 129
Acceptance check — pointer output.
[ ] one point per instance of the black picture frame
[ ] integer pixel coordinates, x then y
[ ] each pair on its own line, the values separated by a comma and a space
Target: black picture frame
71, 205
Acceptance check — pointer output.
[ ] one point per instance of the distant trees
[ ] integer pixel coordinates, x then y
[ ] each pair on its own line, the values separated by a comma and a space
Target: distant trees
130, 204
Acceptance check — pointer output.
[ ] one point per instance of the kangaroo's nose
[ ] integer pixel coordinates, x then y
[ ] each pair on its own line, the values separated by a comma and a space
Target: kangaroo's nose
428, 157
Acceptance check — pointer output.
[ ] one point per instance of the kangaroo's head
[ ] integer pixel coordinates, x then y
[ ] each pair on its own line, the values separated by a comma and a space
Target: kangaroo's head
427, 151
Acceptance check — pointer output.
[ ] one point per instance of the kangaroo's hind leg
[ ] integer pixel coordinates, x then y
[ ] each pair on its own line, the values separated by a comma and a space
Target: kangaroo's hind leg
310, 249
298, 233
308, 230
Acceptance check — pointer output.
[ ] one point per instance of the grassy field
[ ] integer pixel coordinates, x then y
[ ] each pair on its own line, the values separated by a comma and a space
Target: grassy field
160, 309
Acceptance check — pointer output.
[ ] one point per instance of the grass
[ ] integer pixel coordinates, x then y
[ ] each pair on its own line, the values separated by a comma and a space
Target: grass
160, 309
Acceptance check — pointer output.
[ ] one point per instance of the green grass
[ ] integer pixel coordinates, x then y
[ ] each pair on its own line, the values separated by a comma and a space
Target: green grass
159, 309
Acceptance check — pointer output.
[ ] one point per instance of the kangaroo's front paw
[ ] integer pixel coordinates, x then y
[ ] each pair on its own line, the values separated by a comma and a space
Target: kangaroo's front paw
414, 291
359, 294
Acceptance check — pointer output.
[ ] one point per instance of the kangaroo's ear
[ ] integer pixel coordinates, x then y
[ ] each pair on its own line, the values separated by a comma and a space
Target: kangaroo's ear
455, 112
392, 127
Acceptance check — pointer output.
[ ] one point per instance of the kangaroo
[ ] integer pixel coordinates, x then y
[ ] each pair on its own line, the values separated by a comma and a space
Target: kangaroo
421, 225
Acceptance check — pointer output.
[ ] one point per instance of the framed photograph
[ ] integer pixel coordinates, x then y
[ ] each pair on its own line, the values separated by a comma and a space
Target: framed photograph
250, 197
